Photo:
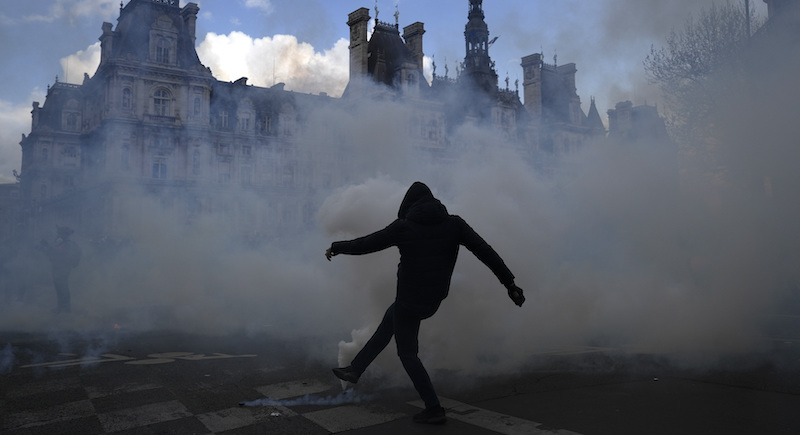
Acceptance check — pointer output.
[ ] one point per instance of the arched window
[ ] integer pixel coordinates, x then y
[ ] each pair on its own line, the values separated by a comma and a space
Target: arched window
161, 103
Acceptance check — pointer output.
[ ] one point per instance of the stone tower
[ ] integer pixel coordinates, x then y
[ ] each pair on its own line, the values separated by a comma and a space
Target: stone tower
532, 85
358, 21
478, 66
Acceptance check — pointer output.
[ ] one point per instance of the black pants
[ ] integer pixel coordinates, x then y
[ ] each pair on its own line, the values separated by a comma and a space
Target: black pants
403, 323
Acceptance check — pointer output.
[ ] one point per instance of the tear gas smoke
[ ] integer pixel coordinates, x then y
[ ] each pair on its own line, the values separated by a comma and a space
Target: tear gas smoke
611, 249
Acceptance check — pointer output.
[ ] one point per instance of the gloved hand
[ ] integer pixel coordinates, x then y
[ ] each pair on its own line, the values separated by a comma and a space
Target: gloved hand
329, 253
516, 294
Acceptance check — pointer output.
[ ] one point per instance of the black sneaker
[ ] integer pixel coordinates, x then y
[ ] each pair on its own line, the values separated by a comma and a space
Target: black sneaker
348, 374
431, 416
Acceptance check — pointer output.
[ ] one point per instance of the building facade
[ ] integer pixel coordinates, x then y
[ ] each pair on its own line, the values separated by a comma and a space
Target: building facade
153, 124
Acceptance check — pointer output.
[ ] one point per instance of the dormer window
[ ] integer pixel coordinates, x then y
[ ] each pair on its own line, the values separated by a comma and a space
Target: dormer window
72, 122
71, 116
162, 50
163, 41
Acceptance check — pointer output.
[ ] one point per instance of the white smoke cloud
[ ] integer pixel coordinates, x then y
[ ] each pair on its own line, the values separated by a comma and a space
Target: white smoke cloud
264, 61
610, 252
280, 58
610, 249
80, 63
608, 40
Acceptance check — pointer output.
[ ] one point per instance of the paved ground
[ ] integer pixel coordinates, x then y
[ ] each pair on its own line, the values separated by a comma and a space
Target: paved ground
167, 383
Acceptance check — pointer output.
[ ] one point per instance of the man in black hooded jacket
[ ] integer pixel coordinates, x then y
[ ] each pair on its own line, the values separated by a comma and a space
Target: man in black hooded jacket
428, 239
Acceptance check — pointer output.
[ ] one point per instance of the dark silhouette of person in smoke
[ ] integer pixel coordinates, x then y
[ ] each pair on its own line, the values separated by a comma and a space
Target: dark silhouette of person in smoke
428, 238
64, 256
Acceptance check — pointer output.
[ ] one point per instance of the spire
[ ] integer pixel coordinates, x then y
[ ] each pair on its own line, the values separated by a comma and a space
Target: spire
477, 64
593, 120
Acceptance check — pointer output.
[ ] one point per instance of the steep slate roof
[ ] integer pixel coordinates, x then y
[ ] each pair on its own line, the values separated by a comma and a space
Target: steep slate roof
130, 32
593, 119
388, 52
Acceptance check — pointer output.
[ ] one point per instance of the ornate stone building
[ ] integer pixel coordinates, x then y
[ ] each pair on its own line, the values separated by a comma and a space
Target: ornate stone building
153, 124
551, 121
153, 119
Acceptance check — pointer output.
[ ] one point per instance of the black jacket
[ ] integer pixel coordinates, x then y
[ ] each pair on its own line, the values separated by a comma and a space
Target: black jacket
428, 238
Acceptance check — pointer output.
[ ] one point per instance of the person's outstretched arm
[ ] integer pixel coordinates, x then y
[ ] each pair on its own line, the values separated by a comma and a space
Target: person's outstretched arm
488, 256
368, 244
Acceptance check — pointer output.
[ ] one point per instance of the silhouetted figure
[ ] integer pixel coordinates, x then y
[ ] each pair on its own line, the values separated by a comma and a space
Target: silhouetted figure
428, 239
64, 256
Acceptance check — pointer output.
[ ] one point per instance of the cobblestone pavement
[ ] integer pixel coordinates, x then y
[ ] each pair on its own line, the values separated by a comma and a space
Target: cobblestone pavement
160, 383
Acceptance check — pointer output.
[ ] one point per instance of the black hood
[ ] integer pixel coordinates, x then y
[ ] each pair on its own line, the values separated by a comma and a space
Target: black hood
420, 206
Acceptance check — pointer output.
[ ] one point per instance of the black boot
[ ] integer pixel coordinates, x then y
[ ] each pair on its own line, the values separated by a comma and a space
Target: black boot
433, 415
348, 374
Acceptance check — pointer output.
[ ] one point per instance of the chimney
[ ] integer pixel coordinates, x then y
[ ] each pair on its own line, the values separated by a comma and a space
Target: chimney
413, 36
189, 14
620, 120
105, 43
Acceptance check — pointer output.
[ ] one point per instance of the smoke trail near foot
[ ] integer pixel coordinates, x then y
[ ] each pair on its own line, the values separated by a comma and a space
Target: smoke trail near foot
349, 396
348, 350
